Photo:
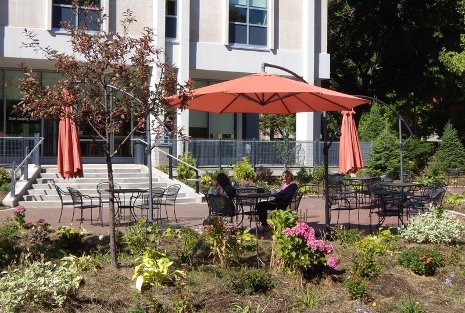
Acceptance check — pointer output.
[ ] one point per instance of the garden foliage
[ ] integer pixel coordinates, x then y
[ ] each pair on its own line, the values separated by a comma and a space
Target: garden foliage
384, 157
185, 172
435, 226
42, 283
295, 246
249, 281
9, 234
140, 236
422, 261
450, 154
5, 178
243, 171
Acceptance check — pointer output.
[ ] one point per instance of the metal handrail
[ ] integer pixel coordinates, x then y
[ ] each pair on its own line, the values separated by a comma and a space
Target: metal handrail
170, 168
25, 163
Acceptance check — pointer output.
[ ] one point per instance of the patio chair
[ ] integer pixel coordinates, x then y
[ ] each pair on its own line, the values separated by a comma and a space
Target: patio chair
83, 202
420, 204
392, 204
169, 198
295, 202
221, 206
61, 194
157, 201
104, 194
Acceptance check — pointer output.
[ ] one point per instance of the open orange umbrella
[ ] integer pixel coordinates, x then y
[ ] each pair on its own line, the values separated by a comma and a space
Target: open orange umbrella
69, 161
267, 93
350, 157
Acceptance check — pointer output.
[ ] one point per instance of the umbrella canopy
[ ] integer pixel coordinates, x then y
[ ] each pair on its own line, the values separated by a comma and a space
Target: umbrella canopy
69, 161
267, 93
350, 157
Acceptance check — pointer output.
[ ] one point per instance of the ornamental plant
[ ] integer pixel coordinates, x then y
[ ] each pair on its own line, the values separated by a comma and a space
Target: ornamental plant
243, 171
422, 261
19, 214
435, 226
295, 246
226, 242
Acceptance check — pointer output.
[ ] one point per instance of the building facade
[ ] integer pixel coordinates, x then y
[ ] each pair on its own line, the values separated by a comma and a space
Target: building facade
207, 40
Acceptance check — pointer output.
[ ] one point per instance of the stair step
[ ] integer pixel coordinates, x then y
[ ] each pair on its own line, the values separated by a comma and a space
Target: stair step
93, 180
97, 175
54, 196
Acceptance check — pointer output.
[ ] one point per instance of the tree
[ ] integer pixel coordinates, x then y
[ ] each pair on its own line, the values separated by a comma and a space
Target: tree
277, 124
371, 124
450, 154
108, 79
384, 157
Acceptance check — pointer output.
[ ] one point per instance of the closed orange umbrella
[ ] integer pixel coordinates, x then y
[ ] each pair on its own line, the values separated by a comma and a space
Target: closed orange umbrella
69, 161
350, 157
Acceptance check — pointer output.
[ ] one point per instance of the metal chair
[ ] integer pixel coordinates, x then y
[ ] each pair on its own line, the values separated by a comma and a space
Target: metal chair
169, 197
392, 204
81, 202
426, 201
104, 194
157, 201
222, 206
295, 202
61, 193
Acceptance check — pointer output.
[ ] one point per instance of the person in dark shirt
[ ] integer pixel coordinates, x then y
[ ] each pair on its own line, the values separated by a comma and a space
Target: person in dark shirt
281, 200
223, 187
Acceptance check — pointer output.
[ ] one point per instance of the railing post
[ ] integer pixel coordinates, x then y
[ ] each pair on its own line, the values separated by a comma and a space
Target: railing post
26, 165
254, 154
13, 180
138, 153
219, 155
197, 181
170, 161
35, 156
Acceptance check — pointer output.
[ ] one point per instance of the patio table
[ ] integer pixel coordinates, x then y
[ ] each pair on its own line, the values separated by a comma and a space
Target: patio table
126, 199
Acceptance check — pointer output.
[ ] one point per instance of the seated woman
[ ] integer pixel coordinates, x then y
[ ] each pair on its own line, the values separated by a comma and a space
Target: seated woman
222, 187
281, 201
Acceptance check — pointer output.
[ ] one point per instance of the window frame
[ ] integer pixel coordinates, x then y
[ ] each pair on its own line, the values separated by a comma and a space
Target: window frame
76, 18
248, 25
169, 16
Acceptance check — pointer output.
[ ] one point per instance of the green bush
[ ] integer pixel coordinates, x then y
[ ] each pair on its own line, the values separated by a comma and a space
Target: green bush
410, 305
416, 155
9, 232
435, 226
70, 237
422, 261
5, 176
318, 173
371, 123
358, 288
264, 174
384, 156
450, 154
185, 172
303, 176
243, 171
347, 237
40, 283
140, 236
249, 280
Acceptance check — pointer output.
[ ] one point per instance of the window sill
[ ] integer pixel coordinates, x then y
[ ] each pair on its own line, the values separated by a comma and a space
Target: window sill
62, 31
174, 41
236, 46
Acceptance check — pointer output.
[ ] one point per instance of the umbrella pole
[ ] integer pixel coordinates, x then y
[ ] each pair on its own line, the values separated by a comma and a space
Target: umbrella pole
326, 168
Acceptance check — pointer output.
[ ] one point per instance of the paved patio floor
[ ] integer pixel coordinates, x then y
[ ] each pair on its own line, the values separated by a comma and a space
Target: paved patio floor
192, 215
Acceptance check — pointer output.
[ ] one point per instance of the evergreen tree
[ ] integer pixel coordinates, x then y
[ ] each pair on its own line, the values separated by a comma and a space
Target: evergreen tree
371, 124
384, 157
450, 154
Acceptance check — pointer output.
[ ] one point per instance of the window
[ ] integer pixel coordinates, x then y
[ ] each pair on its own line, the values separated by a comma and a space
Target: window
171, 18
88, 13
248, 22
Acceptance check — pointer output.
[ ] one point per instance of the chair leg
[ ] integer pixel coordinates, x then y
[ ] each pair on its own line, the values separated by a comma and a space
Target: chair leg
174, 211
61, 212
72, 217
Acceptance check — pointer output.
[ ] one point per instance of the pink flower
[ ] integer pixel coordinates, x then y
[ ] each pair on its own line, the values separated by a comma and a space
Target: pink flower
332, 262
19, 210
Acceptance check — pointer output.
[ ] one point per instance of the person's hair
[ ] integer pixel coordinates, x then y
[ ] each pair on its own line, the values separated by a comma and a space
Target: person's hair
288, 173
225, 183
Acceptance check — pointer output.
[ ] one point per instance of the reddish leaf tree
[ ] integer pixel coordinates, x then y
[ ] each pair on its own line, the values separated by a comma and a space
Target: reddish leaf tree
110, 79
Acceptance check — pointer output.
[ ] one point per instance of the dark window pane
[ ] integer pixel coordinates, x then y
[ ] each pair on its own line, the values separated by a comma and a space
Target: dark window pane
237, 33
257, 36
257, 17
238, 15
170, 27
171, 7
69, 2
89, 18
60, 14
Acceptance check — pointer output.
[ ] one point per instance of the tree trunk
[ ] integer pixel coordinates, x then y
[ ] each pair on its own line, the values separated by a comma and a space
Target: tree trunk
113, 248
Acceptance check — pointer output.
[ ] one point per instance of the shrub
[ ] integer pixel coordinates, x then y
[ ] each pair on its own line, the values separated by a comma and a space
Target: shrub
185, 172
410, 305
358, 288
347, 236
5, 177
249, 281
70, 237
295, 247
450, 154
422, 261
193, 244
243, 171
384, 156
19, 214
303, 176
9, 232
318, 173
140, 236
154, 269
264, 174
41, 283
435, 226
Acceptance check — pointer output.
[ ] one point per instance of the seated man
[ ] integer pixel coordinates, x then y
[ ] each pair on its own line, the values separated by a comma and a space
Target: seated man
281, 201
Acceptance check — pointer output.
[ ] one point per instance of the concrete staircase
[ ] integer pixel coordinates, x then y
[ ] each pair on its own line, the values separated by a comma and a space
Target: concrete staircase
43, 194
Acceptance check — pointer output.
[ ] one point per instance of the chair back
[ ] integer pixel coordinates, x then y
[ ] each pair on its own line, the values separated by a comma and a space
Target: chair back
437, 195
172, 192
103, 193
60, 192
295, 202
76, 197
220, 205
